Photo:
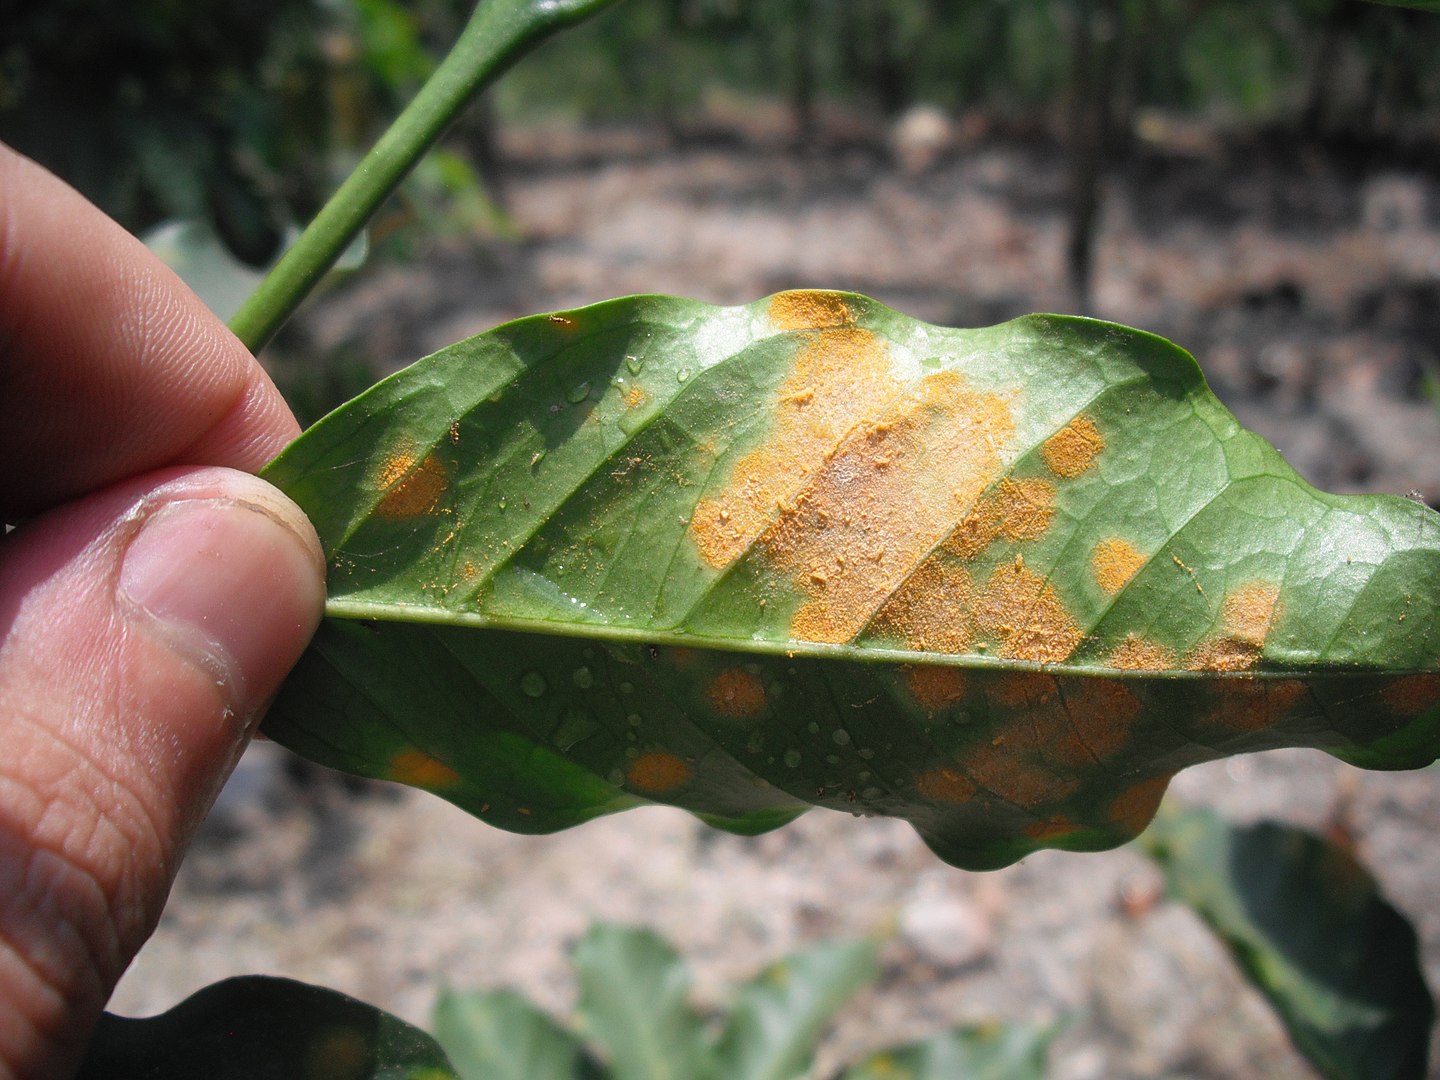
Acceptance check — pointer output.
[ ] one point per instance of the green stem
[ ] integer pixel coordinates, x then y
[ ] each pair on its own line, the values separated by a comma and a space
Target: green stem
496, 34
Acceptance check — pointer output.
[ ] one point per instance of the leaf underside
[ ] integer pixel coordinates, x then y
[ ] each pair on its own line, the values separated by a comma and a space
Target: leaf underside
1000, 582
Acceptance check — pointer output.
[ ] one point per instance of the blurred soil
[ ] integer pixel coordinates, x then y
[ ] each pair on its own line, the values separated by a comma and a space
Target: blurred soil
1307, 283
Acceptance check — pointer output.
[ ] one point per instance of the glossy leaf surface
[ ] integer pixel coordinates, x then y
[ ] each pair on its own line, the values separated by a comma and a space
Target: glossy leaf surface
261, 1028
1000, 582
1308, 926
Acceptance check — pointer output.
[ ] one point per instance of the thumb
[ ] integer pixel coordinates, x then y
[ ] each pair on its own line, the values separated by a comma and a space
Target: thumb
142, 630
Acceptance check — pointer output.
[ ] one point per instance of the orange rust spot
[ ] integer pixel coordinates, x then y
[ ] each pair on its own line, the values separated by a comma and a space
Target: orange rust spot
682, 657
1132, 809
1249, 612
420, 770
1114, 562
635, 397
935, 687
410, 490
930, 612
1022, 610
1052, 828
1022, 690
737, 693
842, 377
945, 784
892, 486
1222, 655
563, 322
1252, 704
1070, 450
808, 309
657, 772
1015, 509
1137, 654
1412, 695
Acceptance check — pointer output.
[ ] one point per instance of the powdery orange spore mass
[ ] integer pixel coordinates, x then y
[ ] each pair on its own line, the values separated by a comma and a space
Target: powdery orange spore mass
1023, 611
419, 769
1137, 654
1114, 562
657, 772
1015, 510
883, 500
934, 687
1246, 617
843, 377
1070, 451
410, 490
806, 309
737, 693
930, 611
945, 784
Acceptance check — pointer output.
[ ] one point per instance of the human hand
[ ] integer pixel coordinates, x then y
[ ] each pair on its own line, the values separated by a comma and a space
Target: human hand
150, 603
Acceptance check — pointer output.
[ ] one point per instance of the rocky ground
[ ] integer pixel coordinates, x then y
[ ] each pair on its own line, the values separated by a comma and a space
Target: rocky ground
1308, 287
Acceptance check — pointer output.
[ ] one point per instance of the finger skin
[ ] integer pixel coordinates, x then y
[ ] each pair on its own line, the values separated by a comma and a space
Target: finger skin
120, 722
109, 365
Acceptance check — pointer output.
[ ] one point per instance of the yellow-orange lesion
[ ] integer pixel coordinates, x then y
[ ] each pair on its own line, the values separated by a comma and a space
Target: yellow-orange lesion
410, 487
935, 687
1246, 617
1072, 449
1114, 562
657, 772
737, 693
419, 769
809, 309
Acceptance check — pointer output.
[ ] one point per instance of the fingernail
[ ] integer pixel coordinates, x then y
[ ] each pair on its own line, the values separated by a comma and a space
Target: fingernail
233, 580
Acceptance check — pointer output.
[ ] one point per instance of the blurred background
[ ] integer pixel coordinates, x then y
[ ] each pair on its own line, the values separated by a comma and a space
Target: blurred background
1259, 181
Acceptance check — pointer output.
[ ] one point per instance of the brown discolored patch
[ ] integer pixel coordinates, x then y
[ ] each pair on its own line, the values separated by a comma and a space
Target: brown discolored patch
935, 687
736, 693
1132, 809
410, 489
842, 377
1137, 654
1052, 828
1023, 611
657, 772
879, 504
1009, 769
1100, 716
420, 770
1412, 695
1249, 612
1022, 690
808, 309
1070, 450
1114, 562
930, 612
945, 784
1251, 704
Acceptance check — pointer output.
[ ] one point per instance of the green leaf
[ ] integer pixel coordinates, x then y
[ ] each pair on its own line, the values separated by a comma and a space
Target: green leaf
1002, 582
777, 1019
635, 1004
1308, 926
263, 1028
500, 1035
1421, 5
989, 1052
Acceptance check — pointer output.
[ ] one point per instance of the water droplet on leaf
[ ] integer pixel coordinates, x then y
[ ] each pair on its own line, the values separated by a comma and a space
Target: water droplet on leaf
532, 684
792, 758
583, 677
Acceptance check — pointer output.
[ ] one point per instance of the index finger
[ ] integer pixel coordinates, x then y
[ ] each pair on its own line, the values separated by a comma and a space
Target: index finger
109, 364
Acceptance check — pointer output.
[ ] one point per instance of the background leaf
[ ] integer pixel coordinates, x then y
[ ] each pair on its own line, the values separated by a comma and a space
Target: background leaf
1000, 582
261, 1028
635, 1004
777, 1018
990, 1052
500, 1035
1307, 924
